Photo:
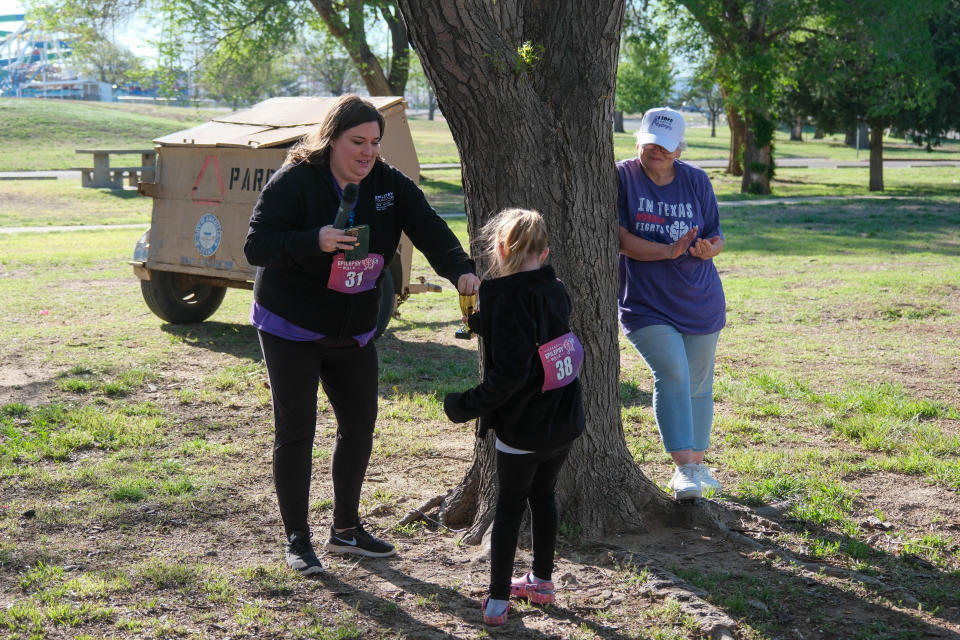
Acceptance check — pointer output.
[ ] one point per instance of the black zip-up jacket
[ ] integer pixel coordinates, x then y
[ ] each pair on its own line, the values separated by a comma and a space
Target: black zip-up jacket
283, 242
516, 314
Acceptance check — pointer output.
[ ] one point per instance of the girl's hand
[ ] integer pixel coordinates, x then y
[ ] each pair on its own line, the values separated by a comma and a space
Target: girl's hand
706, 248
332, 240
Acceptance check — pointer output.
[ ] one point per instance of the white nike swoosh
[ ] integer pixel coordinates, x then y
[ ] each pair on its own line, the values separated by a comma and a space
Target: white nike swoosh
351, 542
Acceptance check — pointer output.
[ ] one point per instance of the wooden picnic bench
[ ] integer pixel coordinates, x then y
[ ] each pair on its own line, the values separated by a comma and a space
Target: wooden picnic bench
104, 176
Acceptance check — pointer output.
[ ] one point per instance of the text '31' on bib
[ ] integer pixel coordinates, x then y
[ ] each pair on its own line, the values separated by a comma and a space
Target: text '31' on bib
561, 358
355, 276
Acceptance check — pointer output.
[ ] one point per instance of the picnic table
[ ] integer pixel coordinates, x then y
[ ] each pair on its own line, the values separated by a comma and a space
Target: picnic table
104, 176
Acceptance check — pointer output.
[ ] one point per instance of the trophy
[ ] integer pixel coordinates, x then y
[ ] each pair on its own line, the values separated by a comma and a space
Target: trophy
467, 304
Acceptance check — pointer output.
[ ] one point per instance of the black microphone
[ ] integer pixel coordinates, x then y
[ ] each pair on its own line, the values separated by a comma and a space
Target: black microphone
346, 203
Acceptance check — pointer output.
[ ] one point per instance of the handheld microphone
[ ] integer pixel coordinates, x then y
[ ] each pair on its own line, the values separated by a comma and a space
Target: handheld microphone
347, 201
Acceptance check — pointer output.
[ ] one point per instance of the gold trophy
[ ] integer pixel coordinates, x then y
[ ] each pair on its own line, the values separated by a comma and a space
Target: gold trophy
467, 304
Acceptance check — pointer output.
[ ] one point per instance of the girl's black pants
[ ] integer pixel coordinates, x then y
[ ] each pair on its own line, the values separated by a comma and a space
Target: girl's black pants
528, 478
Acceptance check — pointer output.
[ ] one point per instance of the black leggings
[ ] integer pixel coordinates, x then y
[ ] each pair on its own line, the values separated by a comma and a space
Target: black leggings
524, 478
348, 374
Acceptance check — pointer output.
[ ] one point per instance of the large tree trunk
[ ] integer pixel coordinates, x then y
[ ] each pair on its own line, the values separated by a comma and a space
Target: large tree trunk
876, 156
527, 89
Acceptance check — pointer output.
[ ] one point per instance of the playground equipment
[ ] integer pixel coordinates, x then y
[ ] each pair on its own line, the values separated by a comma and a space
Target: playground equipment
207, 180
32, 63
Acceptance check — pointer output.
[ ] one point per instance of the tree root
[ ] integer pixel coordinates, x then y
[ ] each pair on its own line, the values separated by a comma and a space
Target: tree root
713, 622
420, 513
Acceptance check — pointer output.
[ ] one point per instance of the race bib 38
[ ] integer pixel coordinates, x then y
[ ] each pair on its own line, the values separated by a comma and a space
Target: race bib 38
561, 358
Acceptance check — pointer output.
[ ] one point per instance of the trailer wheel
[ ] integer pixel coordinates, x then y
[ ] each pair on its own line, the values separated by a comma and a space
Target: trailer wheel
174, 299
387, 297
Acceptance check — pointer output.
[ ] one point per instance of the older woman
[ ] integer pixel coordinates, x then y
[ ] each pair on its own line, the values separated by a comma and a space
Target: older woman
316, 309
671, 301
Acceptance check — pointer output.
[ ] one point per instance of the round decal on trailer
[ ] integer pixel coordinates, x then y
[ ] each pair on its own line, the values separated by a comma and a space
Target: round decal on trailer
207, 235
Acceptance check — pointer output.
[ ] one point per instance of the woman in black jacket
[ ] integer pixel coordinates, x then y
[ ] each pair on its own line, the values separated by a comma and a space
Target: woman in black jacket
530, 396
316, 311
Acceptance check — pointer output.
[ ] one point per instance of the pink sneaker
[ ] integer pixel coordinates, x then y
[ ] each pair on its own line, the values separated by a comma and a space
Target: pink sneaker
536, 592
494, 621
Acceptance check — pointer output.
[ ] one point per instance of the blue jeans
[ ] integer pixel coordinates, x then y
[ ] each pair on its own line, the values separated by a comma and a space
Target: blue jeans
682, 366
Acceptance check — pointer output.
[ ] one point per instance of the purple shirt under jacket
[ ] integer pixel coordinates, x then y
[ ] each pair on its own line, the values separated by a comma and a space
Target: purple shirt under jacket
269, 322
685, 292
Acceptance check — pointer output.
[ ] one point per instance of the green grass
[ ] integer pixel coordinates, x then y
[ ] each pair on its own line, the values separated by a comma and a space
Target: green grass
44, 134
39, 203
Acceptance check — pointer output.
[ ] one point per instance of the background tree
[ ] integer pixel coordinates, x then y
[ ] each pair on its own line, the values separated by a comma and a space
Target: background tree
704, 92
419, 92
212, 22
747, 37
645, 72
348, 23
320, 63
931, 125
105, 61
527, 90
876, 70
243, 73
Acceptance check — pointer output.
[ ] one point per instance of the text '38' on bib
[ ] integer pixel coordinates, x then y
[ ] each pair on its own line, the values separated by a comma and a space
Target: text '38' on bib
355, 276
561, 358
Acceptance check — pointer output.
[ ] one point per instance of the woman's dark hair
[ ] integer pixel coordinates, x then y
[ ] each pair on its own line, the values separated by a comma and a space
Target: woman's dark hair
347, 112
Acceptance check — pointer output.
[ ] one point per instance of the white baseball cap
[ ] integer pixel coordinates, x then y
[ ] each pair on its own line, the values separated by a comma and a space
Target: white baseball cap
662, 126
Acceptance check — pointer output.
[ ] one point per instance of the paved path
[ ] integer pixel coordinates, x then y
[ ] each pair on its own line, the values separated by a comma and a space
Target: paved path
40, 175
707, 163
826, 163
459, 214
75, 227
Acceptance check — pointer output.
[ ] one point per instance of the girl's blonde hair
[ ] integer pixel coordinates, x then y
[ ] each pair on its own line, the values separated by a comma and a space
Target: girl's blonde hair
520, 232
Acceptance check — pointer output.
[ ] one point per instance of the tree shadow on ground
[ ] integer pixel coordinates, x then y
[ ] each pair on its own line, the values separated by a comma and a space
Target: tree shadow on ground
452, 602
238, 340
773, 590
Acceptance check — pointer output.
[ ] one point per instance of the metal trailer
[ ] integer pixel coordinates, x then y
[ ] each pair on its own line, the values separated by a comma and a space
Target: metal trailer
206, 183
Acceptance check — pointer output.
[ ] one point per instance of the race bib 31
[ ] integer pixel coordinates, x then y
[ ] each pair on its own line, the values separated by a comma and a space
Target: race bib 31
355, 276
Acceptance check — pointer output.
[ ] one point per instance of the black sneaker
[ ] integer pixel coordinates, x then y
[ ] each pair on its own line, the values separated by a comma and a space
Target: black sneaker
359, 542
300, 555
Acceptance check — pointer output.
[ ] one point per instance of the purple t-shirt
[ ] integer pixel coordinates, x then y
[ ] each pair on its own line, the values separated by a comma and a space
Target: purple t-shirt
684, 292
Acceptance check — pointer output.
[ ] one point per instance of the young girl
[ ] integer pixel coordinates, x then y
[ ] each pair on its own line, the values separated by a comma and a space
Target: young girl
530, 397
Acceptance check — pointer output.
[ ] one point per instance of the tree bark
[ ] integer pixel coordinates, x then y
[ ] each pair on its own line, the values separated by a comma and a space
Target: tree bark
757, 159
876, 156
527, 89
737, 135
796, 132
618, 122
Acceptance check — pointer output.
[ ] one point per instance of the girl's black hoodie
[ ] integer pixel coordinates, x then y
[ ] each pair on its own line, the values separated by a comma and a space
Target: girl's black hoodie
516, 314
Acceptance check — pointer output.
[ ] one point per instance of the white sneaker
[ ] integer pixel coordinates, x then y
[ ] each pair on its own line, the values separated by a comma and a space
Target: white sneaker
686, 482
707, 481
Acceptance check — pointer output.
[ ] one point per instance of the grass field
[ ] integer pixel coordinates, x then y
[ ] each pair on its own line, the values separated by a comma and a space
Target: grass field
135, 490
